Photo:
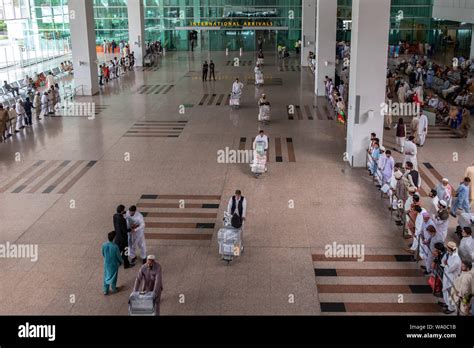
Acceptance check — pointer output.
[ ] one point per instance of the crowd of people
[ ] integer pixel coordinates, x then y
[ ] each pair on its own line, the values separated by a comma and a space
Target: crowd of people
451, 106
128, 236
447, 264
35, 104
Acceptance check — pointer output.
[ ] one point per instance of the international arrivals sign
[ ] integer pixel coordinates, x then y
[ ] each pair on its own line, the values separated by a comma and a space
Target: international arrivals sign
231, 24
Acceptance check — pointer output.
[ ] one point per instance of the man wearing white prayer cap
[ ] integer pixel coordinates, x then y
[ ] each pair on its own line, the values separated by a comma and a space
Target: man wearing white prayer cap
149, 279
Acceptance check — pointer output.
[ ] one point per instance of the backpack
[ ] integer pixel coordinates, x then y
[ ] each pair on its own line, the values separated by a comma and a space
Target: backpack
236, 221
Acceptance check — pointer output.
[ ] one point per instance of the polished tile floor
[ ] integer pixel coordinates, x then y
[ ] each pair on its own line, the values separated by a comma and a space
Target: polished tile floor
61, 182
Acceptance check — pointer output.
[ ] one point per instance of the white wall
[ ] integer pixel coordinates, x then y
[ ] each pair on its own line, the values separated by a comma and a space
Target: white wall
454, 10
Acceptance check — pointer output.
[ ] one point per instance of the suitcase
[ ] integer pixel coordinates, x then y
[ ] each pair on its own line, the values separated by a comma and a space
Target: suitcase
141, 304
259, 163
234, 100
259, 79
264, 113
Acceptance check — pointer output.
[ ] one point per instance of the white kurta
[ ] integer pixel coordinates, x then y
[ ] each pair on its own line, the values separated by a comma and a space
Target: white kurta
137, 238
451, 271
410, 154
423, 128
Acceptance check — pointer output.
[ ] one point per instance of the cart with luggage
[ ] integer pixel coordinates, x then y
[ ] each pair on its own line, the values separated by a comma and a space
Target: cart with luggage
259, 81
141, 303
229, 239
264, 113
259, 161
234, 100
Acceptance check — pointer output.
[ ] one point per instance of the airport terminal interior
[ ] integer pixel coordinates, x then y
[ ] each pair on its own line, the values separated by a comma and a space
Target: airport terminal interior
216, 157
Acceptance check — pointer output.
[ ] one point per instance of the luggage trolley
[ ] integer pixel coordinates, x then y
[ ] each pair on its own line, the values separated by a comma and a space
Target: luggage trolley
234, 100
230, 240
259, 162
141, 303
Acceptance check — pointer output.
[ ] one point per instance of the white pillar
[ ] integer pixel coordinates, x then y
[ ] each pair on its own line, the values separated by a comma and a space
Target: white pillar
84, 55
367, 77
136, 29
308, 30
472, 41
326, 25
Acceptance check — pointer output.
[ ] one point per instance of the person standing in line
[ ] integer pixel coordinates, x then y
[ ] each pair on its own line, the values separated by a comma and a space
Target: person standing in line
444, 191
37, 105
451, 263
401, 134
3, 123
112, 261
462, 291
212, 71
20, 114
150, 279
51, 101
205, 68
410, 152
441, 219
462, 198
136, 224
121, 237
57, 95
387, 167
422, 129
12, 116
28, 106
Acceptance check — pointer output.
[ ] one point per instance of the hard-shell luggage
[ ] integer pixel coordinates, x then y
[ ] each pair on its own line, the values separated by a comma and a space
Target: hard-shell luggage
229, 240
234, 100
264, 113
141, 303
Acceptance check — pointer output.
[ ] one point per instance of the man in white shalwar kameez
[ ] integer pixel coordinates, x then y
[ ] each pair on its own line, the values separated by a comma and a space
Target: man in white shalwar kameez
410, 152
422, 129
44, 103
441, 219
386, 167
136, 239
423, 220
451, 263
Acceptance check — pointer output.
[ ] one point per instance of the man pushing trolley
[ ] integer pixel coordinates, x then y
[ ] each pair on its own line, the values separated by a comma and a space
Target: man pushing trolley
236, 93
230, 236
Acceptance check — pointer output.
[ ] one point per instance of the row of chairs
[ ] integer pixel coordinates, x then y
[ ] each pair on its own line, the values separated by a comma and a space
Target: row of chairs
24, 90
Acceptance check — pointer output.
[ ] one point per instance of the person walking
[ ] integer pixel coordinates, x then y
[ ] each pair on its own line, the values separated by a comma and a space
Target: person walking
462, 198
410, 152
422, 129
150, 279
112, 261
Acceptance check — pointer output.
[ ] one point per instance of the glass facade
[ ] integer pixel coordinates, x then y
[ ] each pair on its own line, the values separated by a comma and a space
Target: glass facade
412, 21
32, 31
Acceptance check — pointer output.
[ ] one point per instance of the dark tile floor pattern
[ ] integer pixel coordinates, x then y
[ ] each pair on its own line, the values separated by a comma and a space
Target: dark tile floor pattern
179, 217
48, 177
400, 275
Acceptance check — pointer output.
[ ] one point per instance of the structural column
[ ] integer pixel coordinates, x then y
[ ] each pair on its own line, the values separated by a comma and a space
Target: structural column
136, 29
472, 41
326, 13
84, 55
367, 77
308, 31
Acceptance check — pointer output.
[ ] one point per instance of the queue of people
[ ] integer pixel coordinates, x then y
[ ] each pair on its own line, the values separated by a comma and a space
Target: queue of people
446, 263
13, 119
115, 68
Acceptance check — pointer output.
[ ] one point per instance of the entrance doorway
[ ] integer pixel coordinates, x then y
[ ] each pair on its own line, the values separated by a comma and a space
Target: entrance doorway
268, 38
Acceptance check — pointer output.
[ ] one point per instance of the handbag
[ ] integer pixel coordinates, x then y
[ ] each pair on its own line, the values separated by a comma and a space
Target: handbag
435, 284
